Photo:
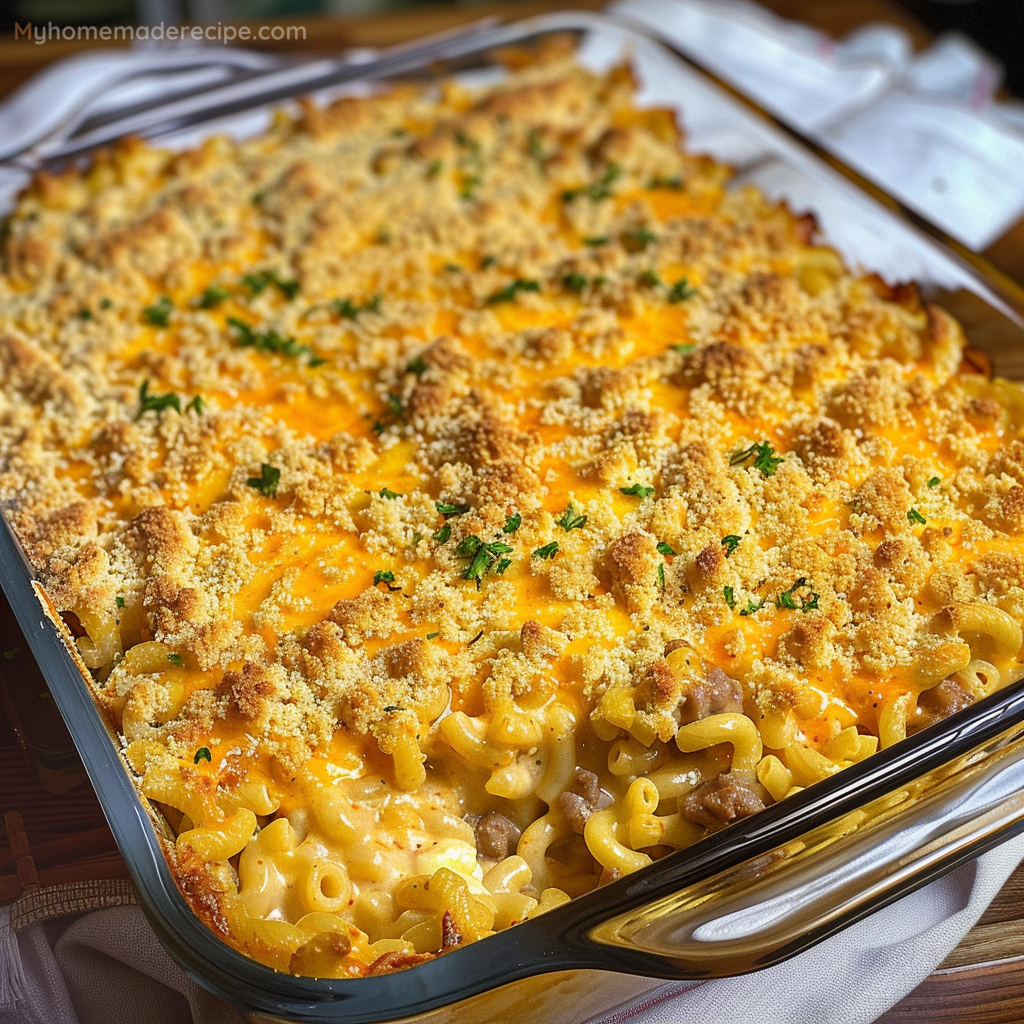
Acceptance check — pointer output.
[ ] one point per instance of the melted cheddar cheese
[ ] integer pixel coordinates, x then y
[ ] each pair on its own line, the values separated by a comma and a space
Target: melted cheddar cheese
464, 497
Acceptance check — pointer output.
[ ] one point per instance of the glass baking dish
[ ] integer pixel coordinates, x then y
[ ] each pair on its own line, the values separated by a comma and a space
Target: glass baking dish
749, 896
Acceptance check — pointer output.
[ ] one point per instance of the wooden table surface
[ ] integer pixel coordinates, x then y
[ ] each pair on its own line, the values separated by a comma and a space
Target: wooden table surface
979, 983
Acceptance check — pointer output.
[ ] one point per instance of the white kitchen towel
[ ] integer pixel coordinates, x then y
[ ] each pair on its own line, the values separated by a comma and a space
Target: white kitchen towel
925, 127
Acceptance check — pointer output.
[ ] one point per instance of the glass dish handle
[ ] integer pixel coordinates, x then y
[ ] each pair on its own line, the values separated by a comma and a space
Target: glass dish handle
771, 907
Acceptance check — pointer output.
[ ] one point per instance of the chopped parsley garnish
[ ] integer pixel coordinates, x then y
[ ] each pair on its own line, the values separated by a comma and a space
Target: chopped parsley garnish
433, 636
271, 342
156, 403
934, 482
453, 268
351, 310
85, 313
639, 238
159, 313
448, 510
197, 405
650, 279
502, 565
638, 490
598, 190
11, 654
266, 483
416, 366
176, 659
258, 282
731, 543
533, 146
763, 455
202, 754
105, 303
488, 261
547, 551
513, 523
387, 577
416, 537
664, 548
394, 403
574, 282
213, 295
257, 198
434, 168
393, 707
659, 182
469, 186
788, 598
571, 520
661, 575
119, 601
753, 606
444, 534
384, 492
730, 596
596, 240
684, 348
681, 291
510, 291
484, 556
915, 517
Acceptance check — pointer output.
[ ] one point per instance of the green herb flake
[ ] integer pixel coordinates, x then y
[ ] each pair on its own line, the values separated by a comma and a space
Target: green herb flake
547, 551
915, 517
502, 565
731, 543
596, 240
667, 183
11, 654
664, 548
119, 601
730, 596
159, 314
637, 490
271, 342
488, 261
533, 146
661, 575
266, 483
156, 403
574, 282
448, 510
197, 405
789, 599
650, 279
597, 190
105, 303
434, 168
416, 366
681, 291
484, 556
469, 186
510, 291
202, 754
934, 482
683, 349
763, 455
753, 606
213, 295
390, 495
387, 577
257, 198
351, 310
571, 520
444, 534
176, 659
85, 313
637, 239
513, 523
433, 636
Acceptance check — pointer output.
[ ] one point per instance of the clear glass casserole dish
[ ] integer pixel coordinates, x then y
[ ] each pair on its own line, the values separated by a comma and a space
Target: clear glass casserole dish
749, 896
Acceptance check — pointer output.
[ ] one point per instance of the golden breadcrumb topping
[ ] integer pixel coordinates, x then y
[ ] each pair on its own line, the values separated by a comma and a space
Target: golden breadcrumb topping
442, 408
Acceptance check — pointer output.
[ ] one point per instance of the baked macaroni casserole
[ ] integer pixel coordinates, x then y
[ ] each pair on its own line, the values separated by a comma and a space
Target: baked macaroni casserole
461, 498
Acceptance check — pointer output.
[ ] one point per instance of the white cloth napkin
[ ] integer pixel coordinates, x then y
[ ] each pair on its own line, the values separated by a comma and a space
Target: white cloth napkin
926, 128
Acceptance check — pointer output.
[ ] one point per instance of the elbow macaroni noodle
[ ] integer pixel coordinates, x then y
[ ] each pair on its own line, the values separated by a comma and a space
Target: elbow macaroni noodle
667, 514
